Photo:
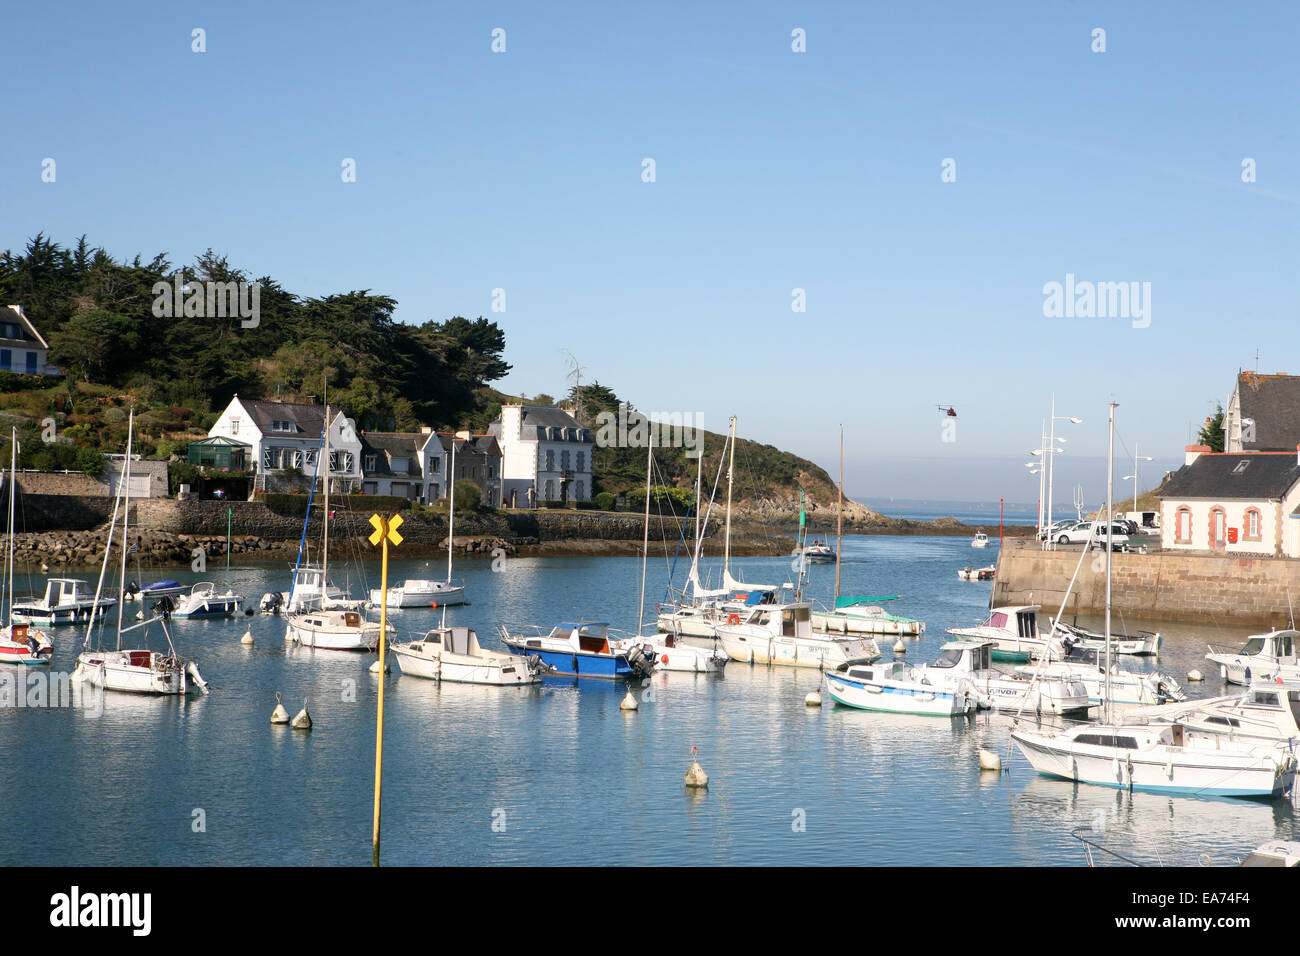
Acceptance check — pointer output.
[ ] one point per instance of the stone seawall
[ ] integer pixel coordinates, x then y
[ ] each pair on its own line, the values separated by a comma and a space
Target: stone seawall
1167, 586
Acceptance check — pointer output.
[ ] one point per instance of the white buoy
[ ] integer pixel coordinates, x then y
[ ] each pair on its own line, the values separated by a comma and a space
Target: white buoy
628, 702
303, 720
696, 778
279, 715
990, 760
139, 615
813, 699
374, 668
248, 637
1194, 675
900, 647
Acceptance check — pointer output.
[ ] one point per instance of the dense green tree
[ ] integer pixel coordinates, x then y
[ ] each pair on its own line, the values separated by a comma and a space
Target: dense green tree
1212, 431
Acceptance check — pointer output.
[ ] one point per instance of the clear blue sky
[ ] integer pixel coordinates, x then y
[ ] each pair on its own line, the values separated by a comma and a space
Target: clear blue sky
775, 170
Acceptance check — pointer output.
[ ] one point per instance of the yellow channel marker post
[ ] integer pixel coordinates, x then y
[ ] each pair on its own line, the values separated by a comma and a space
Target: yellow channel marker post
385, 531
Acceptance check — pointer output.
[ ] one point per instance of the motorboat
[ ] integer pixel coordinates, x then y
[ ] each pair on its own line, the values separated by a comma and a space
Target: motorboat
897, 687
204, 601
1284, 853
1267, 710
970, 661
671, 653
819, 552
24, 644
66, 601
981, 540
1126, 687
860, 615
1141, 644
310, 589
969, 573
1163, 758
334, 629
154, 590
1014, 630
700, 620
420, 592
454, 654
1263, 655
578, 649
782, 635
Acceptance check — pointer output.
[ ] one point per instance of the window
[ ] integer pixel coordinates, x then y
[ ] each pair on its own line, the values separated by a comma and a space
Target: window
579, 492
311, 458
550, 461
1183, 525
582, 461
1241, 466
1218, 528
1253, 524
491, 471
550, 490
435, 465
564, 460
400, 466
371, 460
280, 425
31, 363
234, 426
297, 458
6, 359
10, 331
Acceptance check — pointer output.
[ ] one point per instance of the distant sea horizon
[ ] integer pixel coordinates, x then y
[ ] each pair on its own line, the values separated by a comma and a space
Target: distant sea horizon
967, 512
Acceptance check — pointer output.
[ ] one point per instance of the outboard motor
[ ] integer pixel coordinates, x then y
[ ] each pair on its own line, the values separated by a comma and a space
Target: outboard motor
132, 589
637, 660
271, 602
164, 606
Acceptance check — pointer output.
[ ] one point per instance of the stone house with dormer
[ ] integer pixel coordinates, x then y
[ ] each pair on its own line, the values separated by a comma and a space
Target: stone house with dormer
545, 455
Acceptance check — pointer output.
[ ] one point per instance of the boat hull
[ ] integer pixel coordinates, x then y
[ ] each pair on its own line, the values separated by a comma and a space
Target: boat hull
407, 597
830, 622
506, 670
754, 645
898, 698
127, 672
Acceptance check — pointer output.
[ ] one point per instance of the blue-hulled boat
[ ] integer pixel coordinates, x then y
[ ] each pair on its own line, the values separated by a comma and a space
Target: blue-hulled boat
577, 649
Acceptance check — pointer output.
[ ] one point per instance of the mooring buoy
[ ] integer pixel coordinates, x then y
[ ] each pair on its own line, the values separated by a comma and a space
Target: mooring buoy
990, 760
813, 699
900, 647
628, 702
696, 778
248, 637
303, 720
279, 715
1195, 676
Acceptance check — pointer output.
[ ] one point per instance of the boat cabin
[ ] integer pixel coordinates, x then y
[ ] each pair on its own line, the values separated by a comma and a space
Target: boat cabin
454, 640
1269, 695
966, 657
61, 592
782, 620
1277, 646
1021, 621
585, 636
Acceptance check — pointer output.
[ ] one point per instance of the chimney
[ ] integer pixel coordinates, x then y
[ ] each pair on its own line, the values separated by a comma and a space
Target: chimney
1196, 451
463, 435
1297, 454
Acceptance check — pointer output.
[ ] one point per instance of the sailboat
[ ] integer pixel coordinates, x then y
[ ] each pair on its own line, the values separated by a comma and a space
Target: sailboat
421, 592
668, 651
1163, 757
858, 615
695, 621
331, 625
19, 643
139, 670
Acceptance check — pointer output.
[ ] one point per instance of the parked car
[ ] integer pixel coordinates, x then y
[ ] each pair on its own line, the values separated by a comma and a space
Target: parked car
1118, 536
1073, 532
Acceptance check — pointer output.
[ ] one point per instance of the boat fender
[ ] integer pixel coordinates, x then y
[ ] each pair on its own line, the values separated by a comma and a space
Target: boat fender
1114, 768
733, 618
664, 658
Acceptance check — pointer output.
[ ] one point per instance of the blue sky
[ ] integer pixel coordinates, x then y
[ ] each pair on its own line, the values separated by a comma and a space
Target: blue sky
775, 170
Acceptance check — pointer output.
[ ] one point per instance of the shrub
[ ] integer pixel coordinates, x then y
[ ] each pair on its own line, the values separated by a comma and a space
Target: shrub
605, 501
586, 505
468, 495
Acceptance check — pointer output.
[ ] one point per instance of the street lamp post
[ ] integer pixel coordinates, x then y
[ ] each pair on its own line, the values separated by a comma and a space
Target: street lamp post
1134, 476
1051, 455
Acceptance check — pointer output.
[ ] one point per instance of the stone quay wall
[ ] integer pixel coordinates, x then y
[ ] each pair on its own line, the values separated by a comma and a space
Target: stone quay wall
1189, 587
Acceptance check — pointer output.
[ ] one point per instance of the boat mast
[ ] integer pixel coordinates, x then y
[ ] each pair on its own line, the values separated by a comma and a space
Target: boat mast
839, 517
125, 477
325, 541
1110, 490
9, 557
451, 505
731, 467
645, 538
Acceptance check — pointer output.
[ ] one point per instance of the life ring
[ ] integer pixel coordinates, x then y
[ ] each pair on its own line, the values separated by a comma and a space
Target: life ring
733, 618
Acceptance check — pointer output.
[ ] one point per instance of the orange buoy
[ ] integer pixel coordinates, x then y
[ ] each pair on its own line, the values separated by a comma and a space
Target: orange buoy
664, 659
433, 604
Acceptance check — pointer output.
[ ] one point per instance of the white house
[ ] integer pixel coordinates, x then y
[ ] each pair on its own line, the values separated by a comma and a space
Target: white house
21, 347
545, 455
286, 435
416, 465
1233, 502
1263, 413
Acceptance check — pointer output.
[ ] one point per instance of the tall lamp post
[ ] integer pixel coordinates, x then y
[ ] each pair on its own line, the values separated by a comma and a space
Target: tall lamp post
1051, 455
1134, 476
1036, 468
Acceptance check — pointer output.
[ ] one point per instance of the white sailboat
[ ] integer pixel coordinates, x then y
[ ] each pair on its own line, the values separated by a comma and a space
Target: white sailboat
1163, 757
669, 652
139, 670
420, 592
330, 626
19, 643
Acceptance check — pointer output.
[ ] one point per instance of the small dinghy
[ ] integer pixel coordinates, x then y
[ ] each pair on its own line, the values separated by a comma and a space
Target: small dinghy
204, 601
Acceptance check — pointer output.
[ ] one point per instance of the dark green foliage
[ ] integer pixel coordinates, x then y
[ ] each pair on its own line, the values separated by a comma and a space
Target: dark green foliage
1212, 431
605, 501
468, 495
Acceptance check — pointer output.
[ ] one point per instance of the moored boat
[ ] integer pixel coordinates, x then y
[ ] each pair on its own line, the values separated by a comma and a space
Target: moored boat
66, 601
577, 649
781, 635
860, 615
421, 592
1271, 655
1014, 630
204, 601
454, 654
897, 687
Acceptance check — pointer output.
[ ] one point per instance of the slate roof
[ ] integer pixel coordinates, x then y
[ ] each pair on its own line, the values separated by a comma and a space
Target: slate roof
387, 445
1265, 477
534, 420
1273, 401
307, 419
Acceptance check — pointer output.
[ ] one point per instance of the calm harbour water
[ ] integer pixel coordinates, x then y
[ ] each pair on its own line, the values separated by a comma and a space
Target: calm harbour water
566, 777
